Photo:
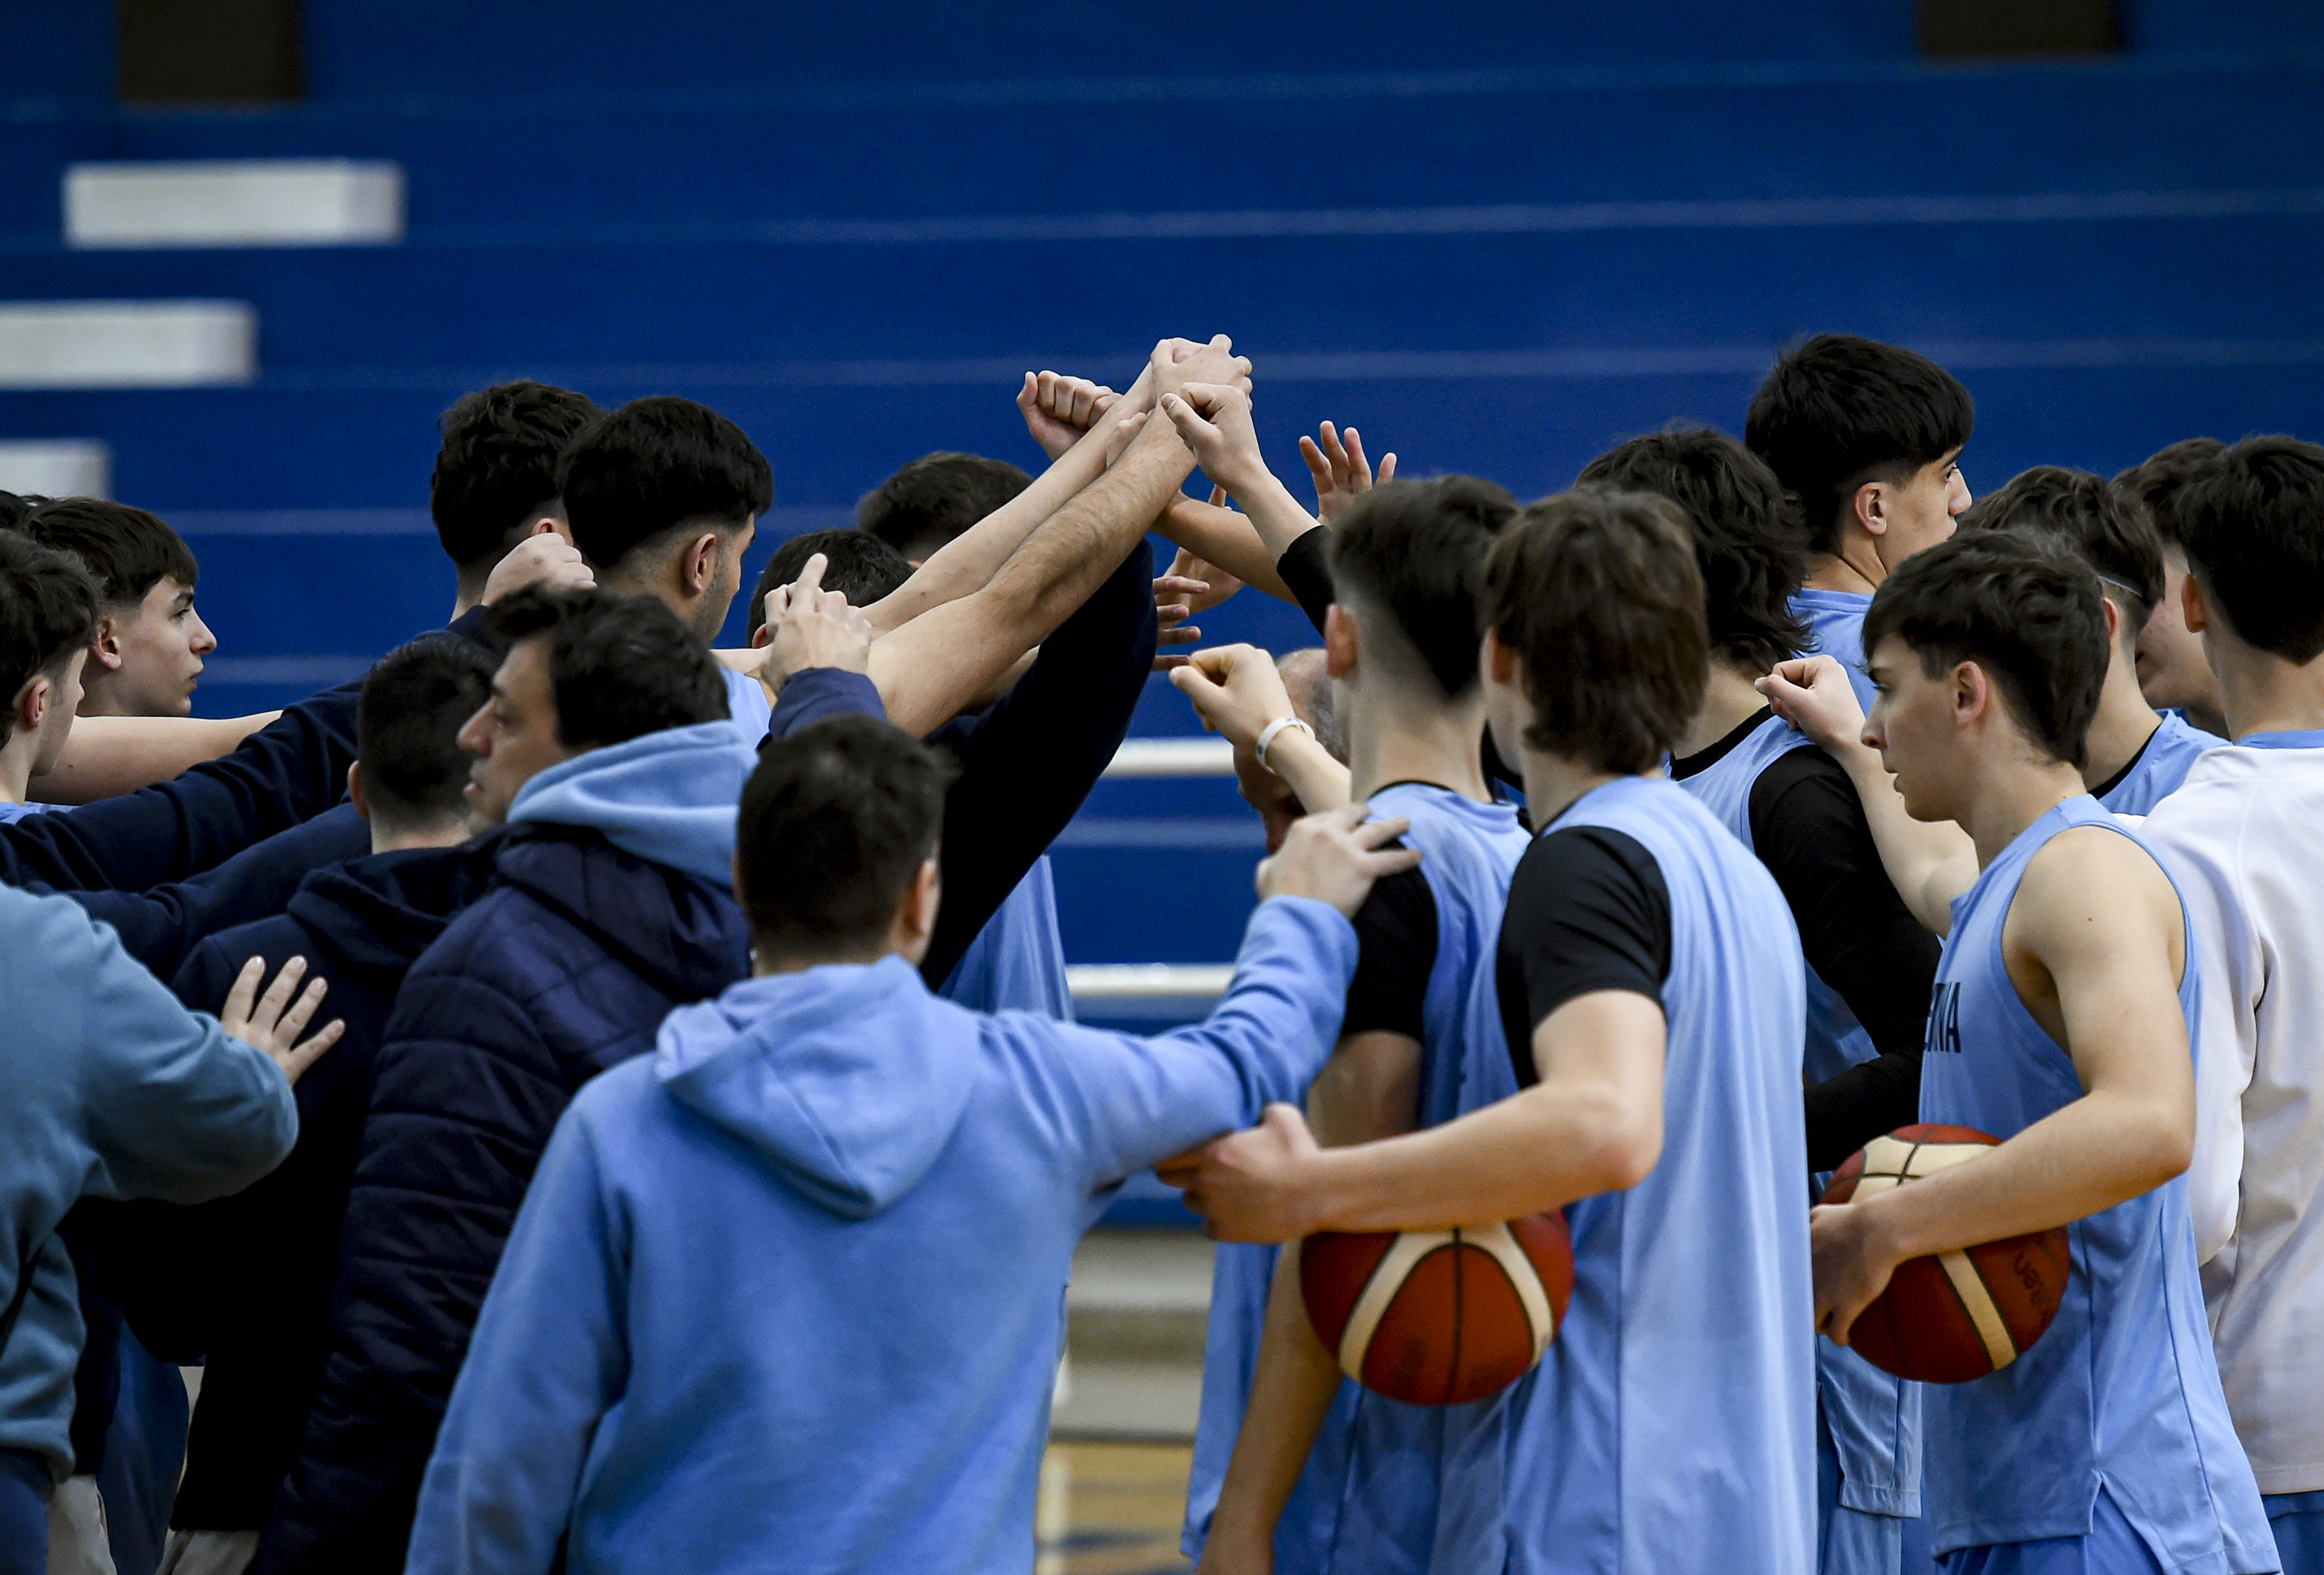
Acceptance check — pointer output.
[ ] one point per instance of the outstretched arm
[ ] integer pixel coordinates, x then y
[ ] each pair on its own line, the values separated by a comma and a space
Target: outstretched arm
931, 667
1238, 692
1216, 422
1929, 863
2093, 947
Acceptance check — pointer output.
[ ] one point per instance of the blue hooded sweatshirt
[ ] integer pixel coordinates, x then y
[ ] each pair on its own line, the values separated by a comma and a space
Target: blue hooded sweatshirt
113, 1091
789, 1294
609, 906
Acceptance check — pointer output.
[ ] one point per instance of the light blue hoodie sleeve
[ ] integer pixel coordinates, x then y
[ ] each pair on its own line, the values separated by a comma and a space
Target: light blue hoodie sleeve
175, 1108
1143, 1100
549, 1358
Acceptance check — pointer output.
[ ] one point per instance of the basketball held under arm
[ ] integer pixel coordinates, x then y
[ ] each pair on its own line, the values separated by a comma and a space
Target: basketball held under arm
1593, 1124
2094, 947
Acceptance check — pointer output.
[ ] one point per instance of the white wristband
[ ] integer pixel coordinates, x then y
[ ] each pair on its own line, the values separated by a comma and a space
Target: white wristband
1268, 736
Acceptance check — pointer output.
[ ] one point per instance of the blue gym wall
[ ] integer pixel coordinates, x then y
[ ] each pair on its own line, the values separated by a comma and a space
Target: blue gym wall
1496, 238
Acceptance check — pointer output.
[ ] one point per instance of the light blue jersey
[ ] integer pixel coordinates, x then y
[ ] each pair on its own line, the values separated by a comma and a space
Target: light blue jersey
1869, 1420
1369, 1498
1016, 963
1836, 618
2121, 1396
11, 813
2156, 772
1671, 1426
747, 704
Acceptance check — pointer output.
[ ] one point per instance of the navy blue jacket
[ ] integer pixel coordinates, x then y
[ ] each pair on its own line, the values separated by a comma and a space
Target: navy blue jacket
288, 771
566, 967
159, 927
1028, 762
246, 1281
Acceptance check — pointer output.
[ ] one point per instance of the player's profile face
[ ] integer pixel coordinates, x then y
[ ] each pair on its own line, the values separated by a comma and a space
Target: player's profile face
1911, 724
1921, 512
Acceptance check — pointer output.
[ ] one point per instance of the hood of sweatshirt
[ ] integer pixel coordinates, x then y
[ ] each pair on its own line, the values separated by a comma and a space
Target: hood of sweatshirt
380, 912
850, 1078
668, 797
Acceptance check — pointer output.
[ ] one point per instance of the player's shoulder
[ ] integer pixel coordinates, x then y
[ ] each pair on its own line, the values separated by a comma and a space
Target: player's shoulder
2095, 875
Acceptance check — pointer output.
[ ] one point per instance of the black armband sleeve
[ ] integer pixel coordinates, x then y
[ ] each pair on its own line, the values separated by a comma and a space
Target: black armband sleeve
1306, 566
1396, 952
1587, 911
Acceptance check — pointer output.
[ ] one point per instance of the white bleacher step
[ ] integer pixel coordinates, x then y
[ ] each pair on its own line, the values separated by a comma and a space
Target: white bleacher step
62, 468
234, 202
1172, 757
127, 344
1114, 985
1136, 1312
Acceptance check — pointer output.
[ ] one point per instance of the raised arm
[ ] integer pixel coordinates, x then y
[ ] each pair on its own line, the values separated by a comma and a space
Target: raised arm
969, 561
1930, 863
931, 667
1216, 422
1238, 692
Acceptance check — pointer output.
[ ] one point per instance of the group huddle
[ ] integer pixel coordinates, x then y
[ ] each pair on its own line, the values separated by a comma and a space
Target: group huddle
589, 1101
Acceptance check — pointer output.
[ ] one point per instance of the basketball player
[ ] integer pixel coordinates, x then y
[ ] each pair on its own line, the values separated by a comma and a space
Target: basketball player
2137, 755
2243, 837
1868, 436
1324, 1475
2171, 669
1647, 982
1869, 963
2059, 1024
787, 1293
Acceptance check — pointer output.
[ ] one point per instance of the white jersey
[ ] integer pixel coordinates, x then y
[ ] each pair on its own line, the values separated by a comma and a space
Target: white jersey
2245, 835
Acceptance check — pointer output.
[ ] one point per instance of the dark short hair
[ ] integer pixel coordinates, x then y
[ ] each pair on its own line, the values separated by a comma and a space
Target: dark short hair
13, 507
862, 567
934, 498
2020, 606
2105, 528
1838, 411
2156, 483
1598, 594
127, 551
834, 824
1749, 541
642, 471
48, 611
498, 465
1414, 551
408, 724
2252, 524
621, 666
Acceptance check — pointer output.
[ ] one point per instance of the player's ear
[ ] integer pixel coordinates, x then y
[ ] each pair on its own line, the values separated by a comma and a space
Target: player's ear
105, 645
355, 789
2194, 606
1972, 693
1340, 642
699, 566
1870, 508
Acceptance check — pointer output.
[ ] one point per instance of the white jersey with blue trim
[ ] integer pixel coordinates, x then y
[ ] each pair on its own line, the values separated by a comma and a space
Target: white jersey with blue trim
1367, 1499
1836, 618
2161, 763
1671, 1426
1874, 1419
2121, 1394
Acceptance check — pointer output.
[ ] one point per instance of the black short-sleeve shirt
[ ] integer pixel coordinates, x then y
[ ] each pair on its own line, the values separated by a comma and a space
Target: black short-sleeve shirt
1587, 911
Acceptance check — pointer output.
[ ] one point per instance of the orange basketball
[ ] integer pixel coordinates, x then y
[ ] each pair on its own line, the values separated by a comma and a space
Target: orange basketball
1439, 1317
1953, 1316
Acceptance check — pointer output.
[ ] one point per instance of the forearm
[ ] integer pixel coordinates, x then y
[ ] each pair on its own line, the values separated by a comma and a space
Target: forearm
1930, 863
2103, 1150
1227, 539
1321, 782
107, 756
927, 670
1868, 1101
968, 563
1293, 1385
1538, 1151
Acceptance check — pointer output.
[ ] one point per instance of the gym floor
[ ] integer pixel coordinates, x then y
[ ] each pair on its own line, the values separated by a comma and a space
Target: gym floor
1111, 1509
